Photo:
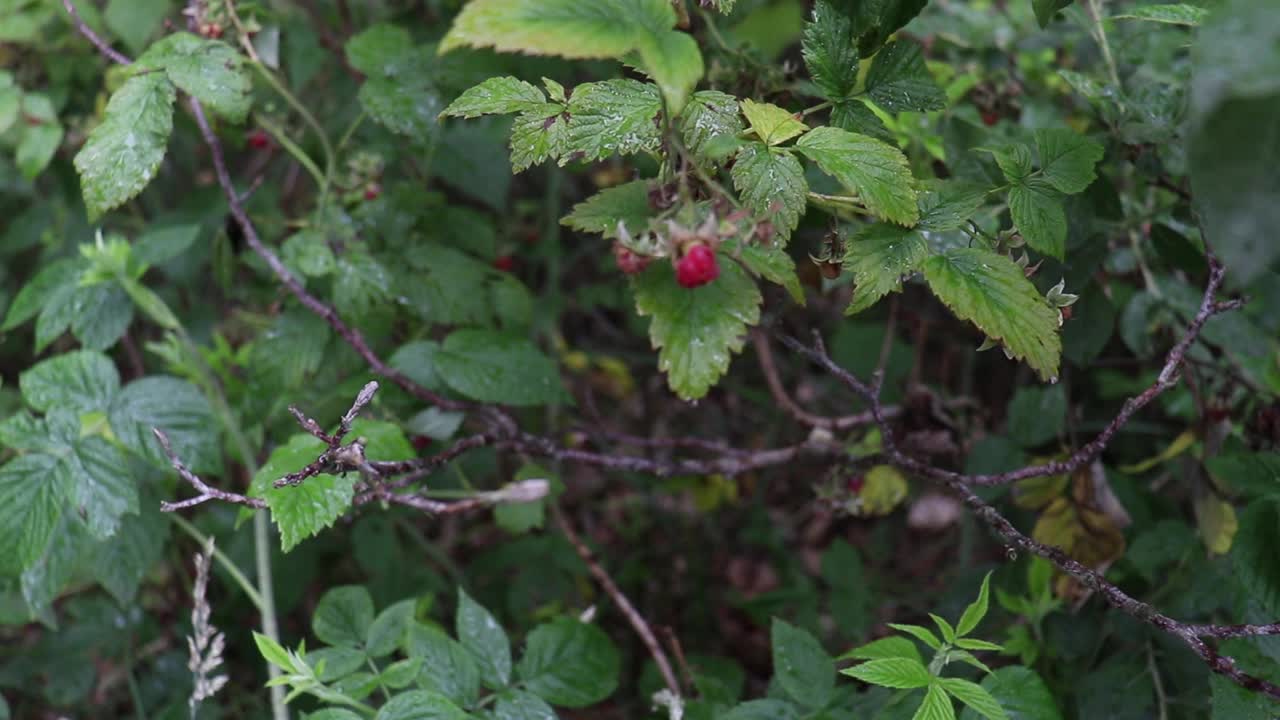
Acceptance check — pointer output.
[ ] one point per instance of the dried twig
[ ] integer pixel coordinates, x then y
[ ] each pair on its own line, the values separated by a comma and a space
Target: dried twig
103, 46
207, 492
637, 621
205, 644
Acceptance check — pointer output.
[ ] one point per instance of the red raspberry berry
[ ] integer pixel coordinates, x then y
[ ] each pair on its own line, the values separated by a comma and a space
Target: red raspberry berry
372, 191
1066, 312
421, 442
990, 117
505, 263
698, 267
259, 140
628, 262
856, 483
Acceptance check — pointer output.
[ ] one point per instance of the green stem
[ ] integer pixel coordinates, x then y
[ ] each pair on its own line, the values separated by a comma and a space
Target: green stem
307, 117
296, 151
816, 108
227, 564
1093, 8
350, 132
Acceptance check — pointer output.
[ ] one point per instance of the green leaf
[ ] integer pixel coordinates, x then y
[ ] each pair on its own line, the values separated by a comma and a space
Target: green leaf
936, 705
709, 114
976, 610
948, 204
447, 667
124, 152
772, 184
210, 71
888, 647
537, 136
829, 51
801, 666
101, 484
343, 616
362, 283
614, 116
495, 367
480, 633
1172, 14
876, 21
1046, 9
388, 629
626, 204
81, 381
1259, 531
891, 672
420, 705
308, 254
301, 510
37, 147
569, 663
764, 710
975, 644
1021, 694
401, 673
672, 59
417, 360
923, 634
696, 330
135, 21
569, 28
770, 123
974, 696
56, 567
179, 410
59, 275
29, 482
770, 262
857, 117
121, 562
876, 171
521, 705
879, 256
1037, 415
1014, 161
948, 632
1038, 214
497, 95
898, 80
1067, 159
338, 662
1236, 80
272, 651
374, 48
403, 96
991, 291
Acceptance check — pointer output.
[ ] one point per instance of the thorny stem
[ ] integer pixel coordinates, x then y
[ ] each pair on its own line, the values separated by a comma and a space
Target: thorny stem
1093, 8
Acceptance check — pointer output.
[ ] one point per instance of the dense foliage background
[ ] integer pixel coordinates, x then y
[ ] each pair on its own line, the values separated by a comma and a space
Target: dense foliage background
623, 358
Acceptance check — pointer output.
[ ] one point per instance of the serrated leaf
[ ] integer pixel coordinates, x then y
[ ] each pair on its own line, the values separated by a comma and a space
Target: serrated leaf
948, 204
948, 632
1046, 9
770, 262
801, 666
898, 673
101, 485
37, 147
923, 634
829, 51
106, 311
888, 647
335, 663
480, 633
80, 381
371, 50
210, 71
121, 562
362, 284
1021, 693
854, 116
1014, 161
898, 80
343, 616
879, 256
568, 28
875, 21
696, 330
876, 171
1172, 14
935, 706
976, 697
178, 409
770, 123
1067, 159
447, 667
672, 59
497, 95
627, 204
614, 116
975, 644
403, 97
709, 114
302, 510
772, 184
124, 152
520, 705
536, 136
570, 663
388, 629
991, 291
35, 295
1038, 214
420, 705
29, 482
976, 610
495, 367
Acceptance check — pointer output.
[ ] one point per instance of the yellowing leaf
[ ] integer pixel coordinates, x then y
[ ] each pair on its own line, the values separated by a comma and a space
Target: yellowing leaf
771, 123
1216, 519
883, 489
1179, 445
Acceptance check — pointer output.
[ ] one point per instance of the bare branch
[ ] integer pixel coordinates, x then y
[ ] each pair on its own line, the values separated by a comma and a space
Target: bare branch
103, 46
206, 492
633, 616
